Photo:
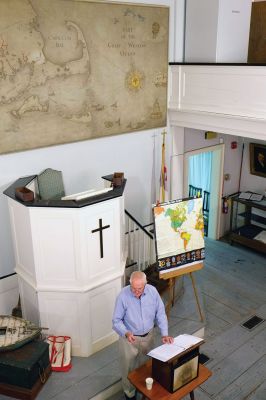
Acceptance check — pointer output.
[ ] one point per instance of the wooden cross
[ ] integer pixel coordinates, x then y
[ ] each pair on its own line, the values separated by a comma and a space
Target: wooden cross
100, 230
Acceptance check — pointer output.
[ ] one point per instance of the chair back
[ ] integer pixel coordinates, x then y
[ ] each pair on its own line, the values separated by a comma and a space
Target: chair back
194, 191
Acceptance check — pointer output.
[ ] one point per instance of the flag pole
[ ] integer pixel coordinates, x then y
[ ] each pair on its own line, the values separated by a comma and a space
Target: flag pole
163, 169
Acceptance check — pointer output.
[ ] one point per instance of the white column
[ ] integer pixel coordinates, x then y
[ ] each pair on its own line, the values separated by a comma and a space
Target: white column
177, 162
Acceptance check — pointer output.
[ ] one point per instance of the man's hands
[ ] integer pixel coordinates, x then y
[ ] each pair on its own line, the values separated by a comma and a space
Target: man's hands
130, 337
167, 339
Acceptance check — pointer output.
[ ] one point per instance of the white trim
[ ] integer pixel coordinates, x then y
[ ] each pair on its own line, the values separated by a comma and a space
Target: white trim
180, 267
222, 123
64, 289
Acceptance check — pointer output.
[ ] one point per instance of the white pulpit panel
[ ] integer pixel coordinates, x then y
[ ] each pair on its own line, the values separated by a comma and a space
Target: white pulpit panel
100, 241
64, 313
29, 301
54, 238
102, 303
21, 232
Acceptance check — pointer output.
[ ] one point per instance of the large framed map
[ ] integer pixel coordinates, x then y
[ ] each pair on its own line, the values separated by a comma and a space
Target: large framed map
179, 232
74, 70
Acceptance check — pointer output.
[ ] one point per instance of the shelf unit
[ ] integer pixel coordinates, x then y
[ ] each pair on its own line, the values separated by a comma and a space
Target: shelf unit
247, 221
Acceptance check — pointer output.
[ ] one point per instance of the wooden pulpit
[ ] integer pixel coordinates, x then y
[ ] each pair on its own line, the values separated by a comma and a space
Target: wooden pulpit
70, 259
178, 371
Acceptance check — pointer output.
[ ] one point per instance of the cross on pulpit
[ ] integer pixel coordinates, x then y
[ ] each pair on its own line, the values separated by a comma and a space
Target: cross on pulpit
100, 230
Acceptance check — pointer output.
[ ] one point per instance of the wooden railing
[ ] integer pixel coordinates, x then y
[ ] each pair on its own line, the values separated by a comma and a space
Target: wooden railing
139, 243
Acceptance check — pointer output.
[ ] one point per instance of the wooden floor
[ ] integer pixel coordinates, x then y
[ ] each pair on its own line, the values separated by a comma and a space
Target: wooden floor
232, 289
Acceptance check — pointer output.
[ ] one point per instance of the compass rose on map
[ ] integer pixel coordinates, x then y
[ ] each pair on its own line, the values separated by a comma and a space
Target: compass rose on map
134, 80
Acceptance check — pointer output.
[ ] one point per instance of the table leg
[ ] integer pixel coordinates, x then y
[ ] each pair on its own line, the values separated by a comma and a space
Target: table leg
192, 395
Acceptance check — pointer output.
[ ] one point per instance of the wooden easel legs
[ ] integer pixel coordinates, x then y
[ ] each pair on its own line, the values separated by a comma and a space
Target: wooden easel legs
171, 277
196, 296
171, 295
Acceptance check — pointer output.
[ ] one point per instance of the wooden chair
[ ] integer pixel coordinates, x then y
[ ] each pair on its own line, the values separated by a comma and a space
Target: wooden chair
206, 208
194, 191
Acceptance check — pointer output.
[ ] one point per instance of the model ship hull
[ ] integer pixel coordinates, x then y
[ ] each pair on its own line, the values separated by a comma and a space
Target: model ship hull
15, 332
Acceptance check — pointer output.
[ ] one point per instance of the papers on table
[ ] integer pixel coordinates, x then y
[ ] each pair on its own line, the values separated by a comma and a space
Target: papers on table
256, 197
261, 237
181, 343
245, 195
251, 196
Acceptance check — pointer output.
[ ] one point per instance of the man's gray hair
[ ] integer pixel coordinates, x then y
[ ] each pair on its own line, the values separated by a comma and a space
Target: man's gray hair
138, 275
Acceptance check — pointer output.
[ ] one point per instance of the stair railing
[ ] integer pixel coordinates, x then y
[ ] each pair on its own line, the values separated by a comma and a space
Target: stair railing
139, 244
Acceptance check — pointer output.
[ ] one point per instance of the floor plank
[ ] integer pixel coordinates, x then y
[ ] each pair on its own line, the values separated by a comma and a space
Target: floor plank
247, 384
259, 393
237, 363
225, 344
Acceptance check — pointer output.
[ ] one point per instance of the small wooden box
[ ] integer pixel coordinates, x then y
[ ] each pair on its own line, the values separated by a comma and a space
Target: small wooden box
24, 194
178, 371
118, 179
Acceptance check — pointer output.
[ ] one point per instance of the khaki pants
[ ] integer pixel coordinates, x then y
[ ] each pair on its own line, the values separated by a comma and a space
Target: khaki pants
132, 355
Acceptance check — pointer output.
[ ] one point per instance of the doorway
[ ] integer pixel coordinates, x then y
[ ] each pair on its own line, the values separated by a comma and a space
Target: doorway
216, 167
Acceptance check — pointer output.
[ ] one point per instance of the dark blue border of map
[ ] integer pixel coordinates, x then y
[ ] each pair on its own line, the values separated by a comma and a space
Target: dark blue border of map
180, 260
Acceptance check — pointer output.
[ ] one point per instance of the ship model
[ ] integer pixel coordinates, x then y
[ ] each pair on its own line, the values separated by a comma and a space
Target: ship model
15, 332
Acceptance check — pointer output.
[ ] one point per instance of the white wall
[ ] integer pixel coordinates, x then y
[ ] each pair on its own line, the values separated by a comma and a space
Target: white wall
83, 163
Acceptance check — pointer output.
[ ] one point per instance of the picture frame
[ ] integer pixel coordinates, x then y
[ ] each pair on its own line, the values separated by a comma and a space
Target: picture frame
257, 154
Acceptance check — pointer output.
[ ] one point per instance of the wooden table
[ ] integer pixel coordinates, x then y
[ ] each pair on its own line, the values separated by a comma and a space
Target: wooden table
158, 392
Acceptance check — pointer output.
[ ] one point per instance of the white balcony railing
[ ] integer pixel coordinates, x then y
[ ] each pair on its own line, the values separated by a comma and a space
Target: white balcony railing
222, 98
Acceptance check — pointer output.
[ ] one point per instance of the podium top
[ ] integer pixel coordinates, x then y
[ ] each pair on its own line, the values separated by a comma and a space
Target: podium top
37, 202
182, 344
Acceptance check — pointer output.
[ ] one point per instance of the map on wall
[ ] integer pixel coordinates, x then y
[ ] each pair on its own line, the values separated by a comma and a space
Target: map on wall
179, 231
73, 70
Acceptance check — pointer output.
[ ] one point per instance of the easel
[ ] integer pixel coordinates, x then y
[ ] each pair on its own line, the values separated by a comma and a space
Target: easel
172, 275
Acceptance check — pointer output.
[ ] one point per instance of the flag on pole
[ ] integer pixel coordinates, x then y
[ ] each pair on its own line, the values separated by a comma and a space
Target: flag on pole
163, 175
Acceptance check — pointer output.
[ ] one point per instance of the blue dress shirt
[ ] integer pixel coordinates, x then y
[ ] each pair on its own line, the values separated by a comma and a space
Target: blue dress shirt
139, 315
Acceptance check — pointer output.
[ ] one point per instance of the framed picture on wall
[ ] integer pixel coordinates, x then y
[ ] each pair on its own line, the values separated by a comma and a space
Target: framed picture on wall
96, 74
257, 154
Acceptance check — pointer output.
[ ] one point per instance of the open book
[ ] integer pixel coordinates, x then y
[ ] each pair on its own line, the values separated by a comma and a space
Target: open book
181, 343
251, 196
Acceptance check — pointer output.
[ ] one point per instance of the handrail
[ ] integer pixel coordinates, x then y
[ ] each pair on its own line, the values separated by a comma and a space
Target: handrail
139, 242
138, 224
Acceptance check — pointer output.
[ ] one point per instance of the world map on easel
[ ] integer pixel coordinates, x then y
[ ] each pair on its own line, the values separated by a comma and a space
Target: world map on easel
179, 230
73, 70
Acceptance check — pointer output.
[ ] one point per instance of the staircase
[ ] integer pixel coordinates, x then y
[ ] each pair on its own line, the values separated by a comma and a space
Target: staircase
140, 246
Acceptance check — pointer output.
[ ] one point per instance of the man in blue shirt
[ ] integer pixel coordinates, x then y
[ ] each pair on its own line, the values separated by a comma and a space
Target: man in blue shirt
138, 308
